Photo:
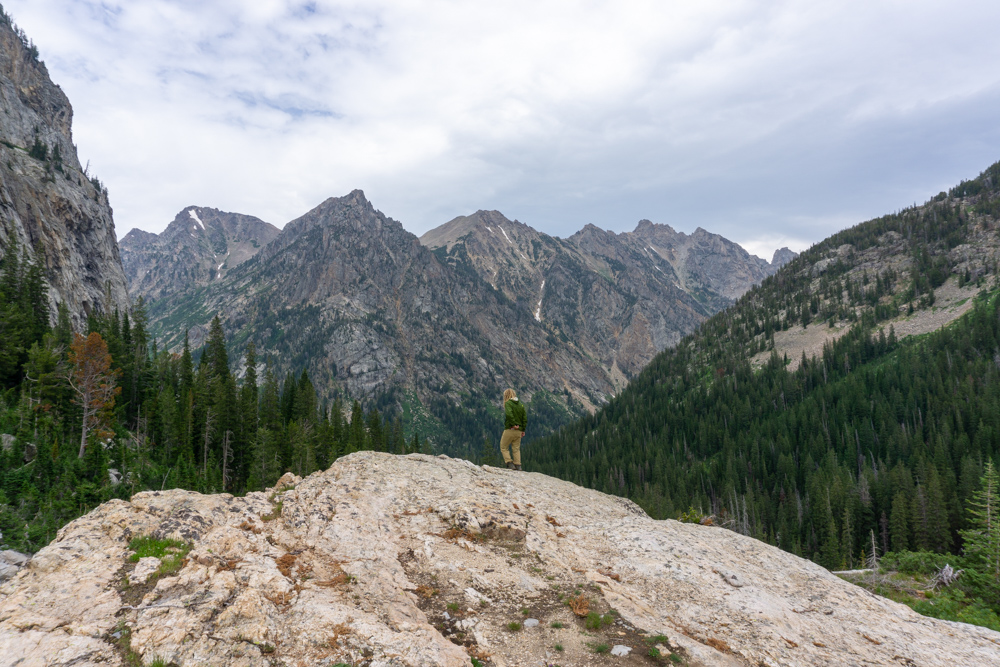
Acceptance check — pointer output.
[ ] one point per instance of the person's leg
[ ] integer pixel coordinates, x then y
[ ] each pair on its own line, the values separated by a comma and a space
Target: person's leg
515, 447
505, 440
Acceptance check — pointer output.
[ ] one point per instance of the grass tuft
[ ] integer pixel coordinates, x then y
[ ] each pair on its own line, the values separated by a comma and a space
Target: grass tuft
170, 552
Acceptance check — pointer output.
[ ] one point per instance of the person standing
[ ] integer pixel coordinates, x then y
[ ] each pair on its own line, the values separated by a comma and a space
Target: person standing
515, 421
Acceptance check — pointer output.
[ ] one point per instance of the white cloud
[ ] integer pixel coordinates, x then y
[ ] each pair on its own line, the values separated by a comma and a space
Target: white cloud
762, 121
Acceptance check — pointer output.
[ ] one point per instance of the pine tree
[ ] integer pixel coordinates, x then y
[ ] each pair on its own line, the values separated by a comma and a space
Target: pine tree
982, 541
357, 437
215, 350
376, 438
899, 529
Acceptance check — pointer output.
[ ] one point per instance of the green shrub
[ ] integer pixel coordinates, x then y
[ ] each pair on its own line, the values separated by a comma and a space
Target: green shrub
595, 621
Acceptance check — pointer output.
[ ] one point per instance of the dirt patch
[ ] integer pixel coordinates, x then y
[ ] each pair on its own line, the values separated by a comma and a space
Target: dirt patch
950, 303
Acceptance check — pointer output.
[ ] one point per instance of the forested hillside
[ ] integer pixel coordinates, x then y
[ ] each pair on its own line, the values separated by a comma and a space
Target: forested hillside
877, 441
877, 434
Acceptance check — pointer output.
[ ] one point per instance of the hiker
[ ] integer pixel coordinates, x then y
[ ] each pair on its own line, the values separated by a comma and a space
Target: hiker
515, 420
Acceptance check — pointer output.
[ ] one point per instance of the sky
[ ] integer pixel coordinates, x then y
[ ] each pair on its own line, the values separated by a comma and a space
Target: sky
774, 123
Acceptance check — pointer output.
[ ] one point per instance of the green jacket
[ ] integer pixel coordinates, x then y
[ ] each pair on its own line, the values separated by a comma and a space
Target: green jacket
514, 413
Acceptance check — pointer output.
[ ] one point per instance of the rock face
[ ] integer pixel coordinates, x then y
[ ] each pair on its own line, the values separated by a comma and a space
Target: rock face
425, 561
47, 202
199, 246
621, 297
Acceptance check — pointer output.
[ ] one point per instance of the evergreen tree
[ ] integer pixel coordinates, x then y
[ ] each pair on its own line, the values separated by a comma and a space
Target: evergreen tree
982, 540
357, 437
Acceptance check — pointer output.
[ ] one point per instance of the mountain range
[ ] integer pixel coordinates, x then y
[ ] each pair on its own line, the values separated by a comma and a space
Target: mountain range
436, 327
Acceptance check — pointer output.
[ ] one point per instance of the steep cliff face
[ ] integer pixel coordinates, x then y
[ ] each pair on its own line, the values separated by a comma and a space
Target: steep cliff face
200, 245
48, 205
353, 297
621, 297
386, 560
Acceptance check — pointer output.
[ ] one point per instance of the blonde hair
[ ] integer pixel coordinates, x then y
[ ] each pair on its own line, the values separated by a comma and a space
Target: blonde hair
508, 394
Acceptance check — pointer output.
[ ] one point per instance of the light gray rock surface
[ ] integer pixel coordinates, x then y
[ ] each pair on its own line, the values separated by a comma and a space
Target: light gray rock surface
11, 562
50, 203
360, 564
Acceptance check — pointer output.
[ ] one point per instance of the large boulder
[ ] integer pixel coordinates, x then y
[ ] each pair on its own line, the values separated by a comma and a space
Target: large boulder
415, 560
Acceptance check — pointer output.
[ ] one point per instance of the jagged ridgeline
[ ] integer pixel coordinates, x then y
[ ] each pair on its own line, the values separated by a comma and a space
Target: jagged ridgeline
828, 402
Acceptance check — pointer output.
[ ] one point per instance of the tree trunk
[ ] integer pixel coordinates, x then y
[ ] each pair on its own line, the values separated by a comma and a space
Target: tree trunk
86, 419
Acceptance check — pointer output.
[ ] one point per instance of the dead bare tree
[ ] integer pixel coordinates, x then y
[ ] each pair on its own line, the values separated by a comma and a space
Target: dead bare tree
93, 380
227, 456
208, 438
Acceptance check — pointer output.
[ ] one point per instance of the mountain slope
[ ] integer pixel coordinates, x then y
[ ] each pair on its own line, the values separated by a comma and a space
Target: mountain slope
354, 298
200, 245
883, 431
615, 295
47, 203
427, 561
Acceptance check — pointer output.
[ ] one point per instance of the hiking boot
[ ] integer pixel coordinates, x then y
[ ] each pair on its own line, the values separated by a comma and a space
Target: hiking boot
510, 465
517, 466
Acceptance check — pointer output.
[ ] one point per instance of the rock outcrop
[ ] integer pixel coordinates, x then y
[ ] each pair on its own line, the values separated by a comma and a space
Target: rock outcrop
48, 204
200, 245
386, 560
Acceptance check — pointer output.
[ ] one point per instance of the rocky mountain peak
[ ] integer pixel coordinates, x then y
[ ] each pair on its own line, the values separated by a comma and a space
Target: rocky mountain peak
422, 560
200, 245
645, 226
782, 256
458, 228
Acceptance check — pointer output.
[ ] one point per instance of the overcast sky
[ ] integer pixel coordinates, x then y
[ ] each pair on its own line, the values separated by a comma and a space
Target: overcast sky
772, 123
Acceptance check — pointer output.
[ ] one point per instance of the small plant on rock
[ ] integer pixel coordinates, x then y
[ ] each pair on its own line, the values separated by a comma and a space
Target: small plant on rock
170, 552
596, 621
514, 626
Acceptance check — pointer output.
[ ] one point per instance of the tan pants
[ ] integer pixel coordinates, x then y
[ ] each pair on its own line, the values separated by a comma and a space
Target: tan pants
511, 438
